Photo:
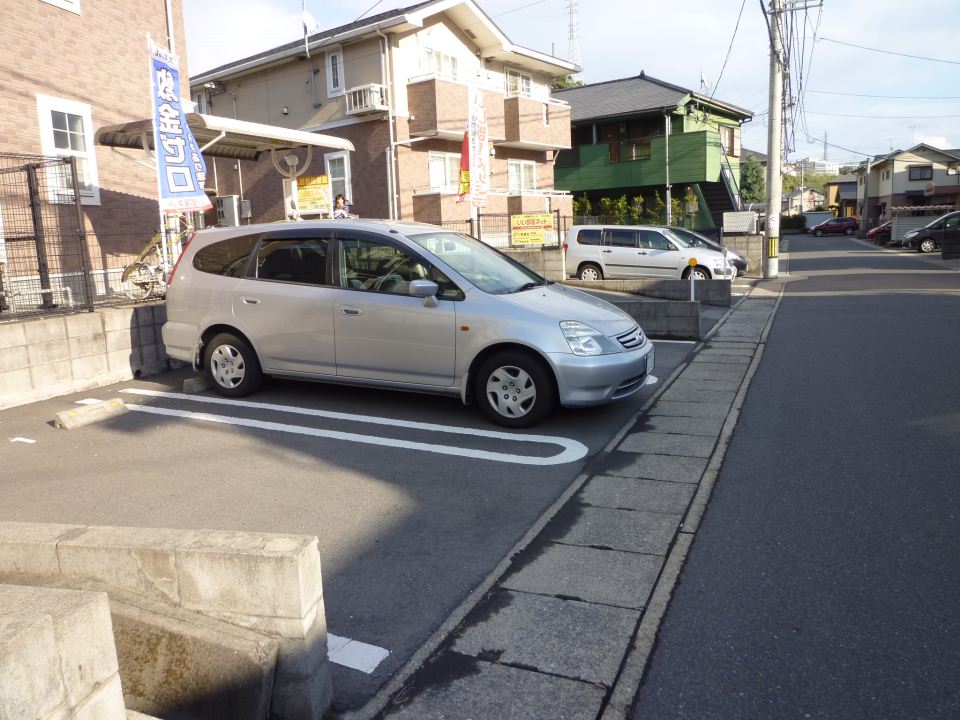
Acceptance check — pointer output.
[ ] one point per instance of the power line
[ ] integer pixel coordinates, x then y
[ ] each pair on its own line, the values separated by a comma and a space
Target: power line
890, 52
888, 97
885, 117
729, 49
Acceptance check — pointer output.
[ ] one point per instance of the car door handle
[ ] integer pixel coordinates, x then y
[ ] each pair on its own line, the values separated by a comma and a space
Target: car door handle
641, 252
251, 301
349, 310
606, 250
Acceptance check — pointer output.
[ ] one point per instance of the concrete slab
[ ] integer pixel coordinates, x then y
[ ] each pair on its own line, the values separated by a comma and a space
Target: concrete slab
603, 576
671, 468
637, 531
669, 444
707, 427
707, 357
83, 415
714, 371
747, 350
695, 393
691, 409
729, 344
633, 494
463, 687
577, 640
32, 547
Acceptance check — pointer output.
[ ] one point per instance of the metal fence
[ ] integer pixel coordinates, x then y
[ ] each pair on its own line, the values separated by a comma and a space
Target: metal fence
49, 264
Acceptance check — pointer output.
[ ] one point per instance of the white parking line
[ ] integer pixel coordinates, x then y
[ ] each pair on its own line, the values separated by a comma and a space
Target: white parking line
23, 440
354, 654
572, 449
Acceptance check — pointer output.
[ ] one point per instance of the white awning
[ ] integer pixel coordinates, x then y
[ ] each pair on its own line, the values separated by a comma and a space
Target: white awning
222, 137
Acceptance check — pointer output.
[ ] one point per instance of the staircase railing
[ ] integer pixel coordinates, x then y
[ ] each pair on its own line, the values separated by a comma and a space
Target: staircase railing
730, 179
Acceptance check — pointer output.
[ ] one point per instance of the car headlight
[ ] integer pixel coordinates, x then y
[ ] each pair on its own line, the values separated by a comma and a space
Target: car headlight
910, 234
585, 341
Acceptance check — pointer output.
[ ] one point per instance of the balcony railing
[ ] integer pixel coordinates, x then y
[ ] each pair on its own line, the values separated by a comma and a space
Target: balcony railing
364, 99
628, 150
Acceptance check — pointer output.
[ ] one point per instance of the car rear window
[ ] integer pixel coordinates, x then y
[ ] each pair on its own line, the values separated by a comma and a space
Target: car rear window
227, 257
588, 236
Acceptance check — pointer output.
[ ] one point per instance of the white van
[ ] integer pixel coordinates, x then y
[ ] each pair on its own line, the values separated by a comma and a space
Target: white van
596, 252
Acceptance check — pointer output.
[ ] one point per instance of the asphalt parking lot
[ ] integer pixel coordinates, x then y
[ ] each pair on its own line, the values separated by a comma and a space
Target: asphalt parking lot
414, 499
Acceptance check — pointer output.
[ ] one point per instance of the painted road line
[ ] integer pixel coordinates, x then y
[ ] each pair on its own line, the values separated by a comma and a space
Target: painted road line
676, 342
354, 654
572, 450
28, 441
88, 401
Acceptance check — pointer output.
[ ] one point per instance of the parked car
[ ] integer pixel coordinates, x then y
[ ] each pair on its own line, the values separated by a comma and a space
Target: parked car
396, 305
930, 237
696, 240
881, 233
596, 252
845, 225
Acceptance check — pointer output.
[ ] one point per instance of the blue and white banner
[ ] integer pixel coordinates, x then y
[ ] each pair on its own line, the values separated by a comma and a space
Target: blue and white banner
181, 170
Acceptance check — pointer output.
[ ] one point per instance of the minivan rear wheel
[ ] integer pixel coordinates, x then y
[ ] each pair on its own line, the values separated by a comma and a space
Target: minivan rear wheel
514, 390
232, 366
589, 271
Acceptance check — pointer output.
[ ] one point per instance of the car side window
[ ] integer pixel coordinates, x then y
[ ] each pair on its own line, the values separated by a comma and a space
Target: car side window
380, 267
227, 257
618, 237
298, 261
654, 240
589, 236
951, 222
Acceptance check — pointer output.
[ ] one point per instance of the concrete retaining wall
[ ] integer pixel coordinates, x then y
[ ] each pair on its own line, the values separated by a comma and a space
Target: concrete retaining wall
673, 320
52, 356
57, 656
751, 247
251, 596
548, 262
709, 292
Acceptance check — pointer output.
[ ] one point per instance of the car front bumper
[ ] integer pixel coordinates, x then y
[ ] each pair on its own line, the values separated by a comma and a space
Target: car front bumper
583, 381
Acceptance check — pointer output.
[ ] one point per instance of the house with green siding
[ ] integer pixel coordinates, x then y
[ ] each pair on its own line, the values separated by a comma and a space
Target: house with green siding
633, 136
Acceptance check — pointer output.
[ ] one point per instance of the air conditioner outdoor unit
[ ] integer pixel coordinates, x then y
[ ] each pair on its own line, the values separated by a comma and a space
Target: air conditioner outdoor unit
228, 210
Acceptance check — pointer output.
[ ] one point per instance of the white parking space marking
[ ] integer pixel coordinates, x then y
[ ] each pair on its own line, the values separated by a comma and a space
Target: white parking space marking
354, 654
572, 449
88, 401
23, 440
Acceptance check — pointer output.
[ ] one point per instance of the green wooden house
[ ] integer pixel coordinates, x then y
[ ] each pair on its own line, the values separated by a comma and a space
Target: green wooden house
626, 133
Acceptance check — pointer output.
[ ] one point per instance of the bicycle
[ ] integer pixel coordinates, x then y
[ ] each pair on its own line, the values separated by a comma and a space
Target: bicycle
145, 277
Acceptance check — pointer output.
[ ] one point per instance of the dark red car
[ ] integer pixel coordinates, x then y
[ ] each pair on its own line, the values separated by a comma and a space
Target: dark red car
881, 233
845, 225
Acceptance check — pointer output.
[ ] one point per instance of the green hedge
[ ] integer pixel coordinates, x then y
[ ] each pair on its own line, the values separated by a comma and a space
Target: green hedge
793, 222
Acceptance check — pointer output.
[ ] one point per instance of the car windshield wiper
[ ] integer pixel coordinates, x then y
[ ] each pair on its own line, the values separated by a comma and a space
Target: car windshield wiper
531, 286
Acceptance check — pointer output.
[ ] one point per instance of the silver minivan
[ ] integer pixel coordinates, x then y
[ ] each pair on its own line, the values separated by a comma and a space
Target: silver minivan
596, 252
398, 305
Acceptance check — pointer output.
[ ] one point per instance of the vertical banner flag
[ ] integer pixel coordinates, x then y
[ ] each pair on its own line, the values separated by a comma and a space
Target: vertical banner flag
479, 149
181, 170
464, 184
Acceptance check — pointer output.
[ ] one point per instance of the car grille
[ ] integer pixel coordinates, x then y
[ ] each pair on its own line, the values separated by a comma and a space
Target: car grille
631, 339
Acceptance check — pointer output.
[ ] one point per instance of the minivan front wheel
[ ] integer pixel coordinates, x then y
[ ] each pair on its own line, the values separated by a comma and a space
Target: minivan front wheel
589, 271
231, 365
514, 390
698, 273
927, 246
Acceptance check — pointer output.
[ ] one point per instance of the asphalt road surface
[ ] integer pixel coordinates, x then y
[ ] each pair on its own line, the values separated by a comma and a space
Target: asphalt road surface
825, 577
414, 499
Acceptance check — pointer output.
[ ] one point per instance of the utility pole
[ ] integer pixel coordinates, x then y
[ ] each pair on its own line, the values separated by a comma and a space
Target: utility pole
666, 164
770, 252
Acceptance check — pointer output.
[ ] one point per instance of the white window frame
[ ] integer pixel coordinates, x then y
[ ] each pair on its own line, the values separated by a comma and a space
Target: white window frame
451, 183
347, 187
515, 176
71, 5
440, 64
522, 79
47, 105
334, 90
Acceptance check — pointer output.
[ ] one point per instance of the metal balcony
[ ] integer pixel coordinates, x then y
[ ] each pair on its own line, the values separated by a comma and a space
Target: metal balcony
366, 99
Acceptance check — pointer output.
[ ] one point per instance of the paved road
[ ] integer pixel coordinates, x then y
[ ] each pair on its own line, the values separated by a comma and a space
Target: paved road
405, 533
825, 577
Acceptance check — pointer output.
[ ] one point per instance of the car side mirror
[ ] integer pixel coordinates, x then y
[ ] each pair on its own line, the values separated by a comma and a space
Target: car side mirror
426, 289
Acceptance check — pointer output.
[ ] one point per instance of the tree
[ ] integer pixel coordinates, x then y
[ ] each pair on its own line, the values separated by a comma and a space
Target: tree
564, 81
753, 184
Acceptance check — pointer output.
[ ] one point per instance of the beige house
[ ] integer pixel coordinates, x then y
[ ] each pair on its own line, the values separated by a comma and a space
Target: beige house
396, 85
923, 176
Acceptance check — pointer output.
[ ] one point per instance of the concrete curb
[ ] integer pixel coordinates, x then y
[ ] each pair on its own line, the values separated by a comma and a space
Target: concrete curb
83, 415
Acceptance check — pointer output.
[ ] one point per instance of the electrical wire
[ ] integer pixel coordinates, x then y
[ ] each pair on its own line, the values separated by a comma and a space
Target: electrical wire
891, 52
729, 49
887, 97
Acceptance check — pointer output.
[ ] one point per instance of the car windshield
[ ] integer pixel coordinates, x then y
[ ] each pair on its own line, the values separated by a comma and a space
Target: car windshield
491, 271
693, 239
681, 240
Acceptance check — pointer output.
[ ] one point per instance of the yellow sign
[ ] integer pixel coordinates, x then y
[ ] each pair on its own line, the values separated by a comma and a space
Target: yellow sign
313, 194
530, 229
693, 262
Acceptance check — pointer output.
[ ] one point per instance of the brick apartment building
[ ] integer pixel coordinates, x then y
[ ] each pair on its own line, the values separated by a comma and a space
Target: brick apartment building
68, 68
396, 85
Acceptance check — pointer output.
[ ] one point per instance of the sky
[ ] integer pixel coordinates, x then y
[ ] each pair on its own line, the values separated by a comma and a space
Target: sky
865, 102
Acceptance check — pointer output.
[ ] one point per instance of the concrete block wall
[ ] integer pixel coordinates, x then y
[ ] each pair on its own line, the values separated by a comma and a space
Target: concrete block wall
709, 292
751, 247
670, 319
262, 583
547, 262
51, 356
57, 655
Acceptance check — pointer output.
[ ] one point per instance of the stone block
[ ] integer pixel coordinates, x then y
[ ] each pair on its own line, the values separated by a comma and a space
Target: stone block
84, 324
87, 345
14, 385
30, 682
48, 352
89, 367
119, 340
82, 415
121, 361
51, 374
691, 392
246, 573
669, 444
561, 637
31, 548
106, 703
691, 409
118, 319
637, 531
138, 560
38, 331
637, 494
12, 335
671, 468
14, 358
707, 427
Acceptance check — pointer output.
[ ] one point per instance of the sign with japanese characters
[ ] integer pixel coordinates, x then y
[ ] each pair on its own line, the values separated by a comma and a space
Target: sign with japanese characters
530, 229
313, 194
474, 182
181, 170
